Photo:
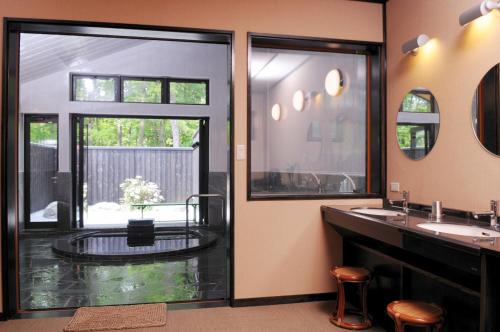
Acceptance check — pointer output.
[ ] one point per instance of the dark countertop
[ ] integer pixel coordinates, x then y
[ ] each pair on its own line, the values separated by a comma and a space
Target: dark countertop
409, 224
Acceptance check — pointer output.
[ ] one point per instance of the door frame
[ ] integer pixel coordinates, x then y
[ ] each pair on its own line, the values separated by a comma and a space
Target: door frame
28, 119
78, 177
13, 27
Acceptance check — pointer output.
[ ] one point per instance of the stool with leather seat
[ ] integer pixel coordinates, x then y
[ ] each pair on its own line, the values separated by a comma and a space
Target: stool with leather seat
416, 313
356, 275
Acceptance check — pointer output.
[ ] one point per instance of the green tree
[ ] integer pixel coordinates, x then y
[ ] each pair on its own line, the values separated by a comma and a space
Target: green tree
41, 132
188, 93
138, 132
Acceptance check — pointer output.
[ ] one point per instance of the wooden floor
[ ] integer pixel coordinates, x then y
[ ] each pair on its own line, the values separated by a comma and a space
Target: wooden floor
310, 316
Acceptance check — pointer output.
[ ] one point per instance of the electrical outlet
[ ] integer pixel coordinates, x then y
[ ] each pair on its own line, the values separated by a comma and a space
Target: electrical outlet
241, 152
395, 187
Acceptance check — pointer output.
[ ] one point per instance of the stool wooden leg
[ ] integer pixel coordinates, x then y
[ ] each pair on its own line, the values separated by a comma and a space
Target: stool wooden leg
399, 325
364, 303
340, 301
437, 327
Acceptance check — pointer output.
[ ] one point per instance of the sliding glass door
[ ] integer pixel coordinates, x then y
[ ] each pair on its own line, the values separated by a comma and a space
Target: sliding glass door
138, 168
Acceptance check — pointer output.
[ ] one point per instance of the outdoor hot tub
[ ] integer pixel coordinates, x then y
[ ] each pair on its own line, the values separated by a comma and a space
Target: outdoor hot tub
115, 244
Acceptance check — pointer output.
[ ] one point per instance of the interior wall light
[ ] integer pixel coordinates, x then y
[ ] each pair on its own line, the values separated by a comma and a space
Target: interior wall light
298, 100
276, 112
334, 82
481, 9
411, 46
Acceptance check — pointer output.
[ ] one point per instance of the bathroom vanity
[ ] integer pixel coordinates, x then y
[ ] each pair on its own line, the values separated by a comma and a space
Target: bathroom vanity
410, 260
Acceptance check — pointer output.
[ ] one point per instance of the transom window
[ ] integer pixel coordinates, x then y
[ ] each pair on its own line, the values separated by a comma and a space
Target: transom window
153, 90
189, 92
142, 90
94, 88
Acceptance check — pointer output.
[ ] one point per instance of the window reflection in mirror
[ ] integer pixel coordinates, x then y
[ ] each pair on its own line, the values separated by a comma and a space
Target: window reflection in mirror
418, 123
485, 111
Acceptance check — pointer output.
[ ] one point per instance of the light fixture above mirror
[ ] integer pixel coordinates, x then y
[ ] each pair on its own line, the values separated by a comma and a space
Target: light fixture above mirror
334, 82
481, 9
412, 45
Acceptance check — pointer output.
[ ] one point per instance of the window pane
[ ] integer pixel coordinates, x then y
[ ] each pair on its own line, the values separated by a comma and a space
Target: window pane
142, 91
306, 141
94, 89
188, 93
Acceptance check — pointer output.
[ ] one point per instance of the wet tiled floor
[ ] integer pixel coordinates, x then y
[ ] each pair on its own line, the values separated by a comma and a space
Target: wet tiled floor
51, 281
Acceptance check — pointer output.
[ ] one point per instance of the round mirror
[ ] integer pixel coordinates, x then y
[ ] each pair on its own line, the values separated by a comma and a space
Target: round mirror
418, 123
486, 111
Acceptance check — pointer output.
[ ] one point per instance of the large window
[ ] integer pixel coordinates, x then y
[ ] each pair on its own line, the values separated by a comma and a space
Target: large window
314, 119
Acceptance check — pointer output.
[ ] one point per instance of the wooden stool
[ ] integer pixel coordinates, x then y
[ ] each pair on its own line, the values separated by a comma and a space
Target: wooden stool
360, 276
406, 312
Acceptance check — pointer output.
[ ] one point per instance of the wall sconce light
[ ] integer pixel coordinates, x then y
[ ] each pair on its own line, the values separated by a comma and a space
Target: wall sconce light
485, 7
276, 112
334, 82
413, 44
298, 100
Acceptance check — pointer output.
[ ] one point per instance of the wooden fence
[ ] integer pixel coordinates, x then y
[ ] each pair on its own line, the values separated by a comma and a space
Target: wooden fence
107, 167
43, 169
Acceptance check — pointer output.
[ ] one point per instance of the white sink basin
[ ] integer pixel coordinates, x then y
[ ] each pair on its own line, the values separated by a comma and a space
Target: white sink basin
378, 212
464, 230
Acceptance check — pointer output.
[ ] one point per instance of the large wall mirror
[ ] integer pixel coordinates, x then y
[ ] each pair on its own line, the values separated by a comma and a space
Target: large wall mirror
418, 123
485, 111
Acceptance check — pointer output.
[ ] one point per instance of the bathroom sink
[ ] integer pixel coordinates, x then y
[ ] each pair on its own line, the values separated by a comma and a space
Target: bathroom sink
464, 230
378, 212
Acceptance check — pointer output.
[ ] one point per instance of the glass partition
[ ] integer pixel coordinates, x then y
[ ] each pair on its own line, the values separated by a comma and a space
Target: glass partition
308, 131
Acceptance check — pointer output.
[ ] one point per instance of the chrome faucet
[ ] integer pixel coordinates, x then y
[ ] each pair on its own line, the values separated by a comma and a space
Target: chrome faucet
493, 214
405, 200
318, 182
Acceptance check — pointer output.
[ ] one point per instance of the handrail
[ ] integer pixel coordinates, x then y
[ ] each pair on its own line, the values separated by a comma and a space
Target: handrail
221, 197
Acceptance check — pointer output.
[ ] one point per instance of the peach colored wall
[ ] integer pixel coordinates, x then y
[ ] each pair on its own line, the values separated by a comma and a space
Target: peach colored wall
281, 248
458, 170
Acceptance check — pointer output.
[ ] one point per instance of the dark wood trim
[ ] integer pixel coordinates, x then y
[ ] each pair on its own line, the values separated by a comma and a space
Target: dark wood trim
308, 43
13, 27
383, 105
9, 167
373, 1
368, 138
3, 216
313, 197
231, 177
119, 30
260, 301
249, 118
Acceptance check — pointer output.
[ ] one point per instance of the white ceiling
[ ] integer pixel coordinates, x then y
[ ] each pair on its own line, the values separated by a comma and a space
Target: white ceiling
41, 54
269, 68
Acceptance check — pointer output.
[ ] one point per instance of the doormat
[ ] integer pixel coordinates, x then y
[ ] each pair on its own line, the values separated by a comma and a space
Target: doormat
118, 317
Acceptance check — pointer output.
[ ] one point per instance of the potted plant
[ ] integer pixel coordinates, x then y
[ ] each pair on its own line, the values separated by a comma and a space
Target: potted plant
140, 194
